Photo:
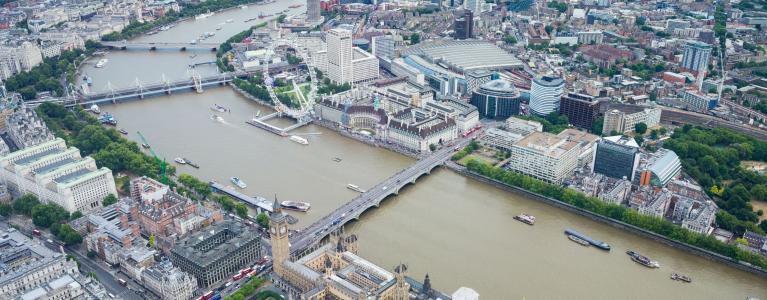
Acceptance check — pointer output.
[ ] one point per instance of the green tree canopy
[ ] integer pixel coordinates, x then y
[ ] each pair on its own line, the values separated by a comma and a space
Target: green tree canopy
24, 204
640, 128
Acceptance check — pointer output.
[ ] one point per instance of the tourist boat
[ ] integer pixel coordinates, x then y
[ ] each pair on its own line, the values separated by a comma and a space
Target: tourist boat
578, 240
299, 140
297, 206
191, 164
354, 188
217, 118
229, 20
679, 277
180, 161
95, 109
596, 243
203, 16
238, 182
101, 63
643, 260
218, 108
123, 131
525, 218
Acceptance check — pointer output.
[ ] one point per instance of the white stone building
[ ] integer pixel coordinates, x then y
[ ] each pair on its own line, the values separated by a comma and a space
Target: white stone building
545, 156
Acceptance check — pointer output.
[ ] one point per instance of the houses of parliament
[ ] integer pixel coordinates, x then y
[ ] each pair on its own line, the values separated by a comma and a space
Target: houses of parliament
336, 271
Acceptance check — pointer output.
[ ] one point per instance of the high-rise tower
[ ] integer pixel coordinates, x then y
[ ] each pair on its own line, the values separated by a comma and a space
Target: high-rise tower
312, 11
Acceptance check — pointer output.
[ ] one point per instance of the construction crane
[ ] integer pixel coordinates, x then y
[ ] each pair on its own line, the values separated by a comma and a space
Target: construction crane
163, 176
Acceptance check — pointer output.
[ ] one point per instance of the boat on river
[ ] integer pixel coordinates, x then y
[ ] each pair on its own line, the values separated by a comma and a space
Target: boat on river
354, 188
203, 16
295, 205
299, 140
191, 164
218, 108
123, 131
594, 242
101, 63
180, 161
680, 277
217, 118
578, 240
238, 182
525, 218
95, 109
643, 260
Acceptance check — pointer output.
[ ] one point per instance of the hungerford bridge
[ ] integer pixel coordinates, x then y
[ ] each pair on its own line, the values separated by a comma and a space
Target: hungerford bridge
196, 82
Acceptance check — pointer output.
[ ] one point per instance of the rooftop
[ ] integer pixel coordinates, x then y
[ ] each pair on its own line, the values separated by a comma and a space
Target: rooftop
465, 55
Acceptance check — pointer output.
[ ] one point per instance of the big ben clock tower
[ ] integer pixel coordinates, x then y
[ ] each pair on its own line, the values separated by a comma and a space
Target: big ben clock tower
278, 232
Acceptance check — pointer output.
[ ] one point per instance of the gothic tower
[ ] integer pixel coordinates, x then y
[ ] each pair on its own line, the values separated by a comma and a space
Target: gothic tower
403, 288
278, 231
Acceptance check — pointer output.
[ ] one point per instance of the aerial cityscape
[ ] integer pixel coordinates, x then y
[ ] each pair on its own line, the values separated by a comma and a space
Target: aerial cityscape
383, 149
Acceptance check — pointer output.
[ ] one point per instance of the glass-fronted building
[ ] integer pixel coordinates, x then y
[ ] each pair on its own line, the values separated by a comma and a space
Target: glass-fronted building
496, 99
617, 157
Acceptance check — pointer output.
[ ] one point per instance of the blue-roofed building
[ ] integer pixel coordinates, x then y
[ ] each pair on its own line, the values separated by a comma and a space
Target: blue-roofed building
659, 168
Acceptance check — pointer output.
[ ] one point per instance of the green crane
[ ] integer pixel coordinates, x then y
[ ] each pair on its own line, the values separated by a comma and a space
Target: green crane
163, 176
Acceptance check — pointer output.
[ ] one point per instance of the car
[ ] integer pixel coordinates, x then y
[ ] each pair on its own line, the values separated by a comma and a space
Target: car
385, 187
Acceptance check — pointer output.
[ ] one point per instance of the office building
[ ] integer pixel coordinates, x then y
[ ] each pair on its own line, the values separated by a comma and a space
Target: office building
364, 66
339, 55
696, 56
698, 101
523, 127
214, 254
475, 78
545, 156
694, 215
590, 37
475, 6
624, 120
618, 193
384, 45
26, 264
313, 11
581, 110
25, 128
61, 288
57, 174
651, 202
545, 92
659, 168
416, 131
464, 26
169, 282
496, 99
617, 157
500, 139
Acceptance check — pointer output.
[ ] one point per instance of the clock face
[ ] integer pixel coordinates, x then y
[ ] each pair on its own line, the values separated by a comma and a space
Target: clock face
274, 230
283, 229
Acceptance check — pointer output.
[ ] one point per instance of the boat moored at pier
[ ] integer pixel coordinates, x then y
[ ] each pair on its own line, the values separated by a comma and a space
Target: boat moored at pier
594, 242
295, 205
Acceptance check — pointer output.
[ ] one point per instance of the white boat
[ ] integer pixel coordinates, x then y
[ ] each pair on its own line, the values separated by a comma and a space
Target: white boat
299, 140
218, 28
295, 205
243, 6
203, 16
180, 161
354, 188
101, 63
192, 42
238, 182
95, 109
217, 118
218, 108
229, 20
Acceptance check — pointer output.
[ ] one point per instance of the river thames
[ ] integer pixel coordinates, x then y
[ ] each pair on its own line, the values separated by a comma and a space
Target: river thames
458, 230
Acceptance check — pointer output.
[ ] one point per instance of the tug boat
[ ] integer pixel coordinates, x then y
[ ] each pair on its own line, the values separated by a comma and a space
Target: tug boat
679, 277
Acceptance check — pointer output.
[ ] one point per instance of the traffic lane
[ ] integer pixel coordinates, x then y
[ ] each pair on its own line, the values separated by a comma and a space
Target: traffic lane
106, 278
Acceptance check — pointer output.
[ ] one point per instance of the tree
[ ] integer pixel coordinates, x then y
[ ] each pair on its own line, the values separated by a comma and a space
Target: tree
76, 215
415, 38
640, 128
151, 240
596, 127
509, 39
44, 215
759, 192
91, 254
432, 147
263, 220
24, 204
5, 209
241, 210
109, 200
68, 235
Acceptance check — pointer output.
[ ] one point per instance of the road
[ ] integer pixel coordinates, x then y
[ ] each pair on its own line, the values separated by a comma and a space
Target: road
105, 277
316, 231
